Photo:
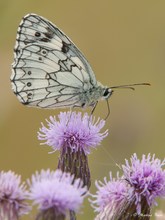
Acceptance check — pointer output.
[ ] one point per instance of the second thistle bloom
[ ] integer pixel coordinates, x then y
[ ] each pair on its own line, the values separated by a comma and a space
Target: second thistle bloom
133, 195
13, 196
73, 130
147, 179
111, 196
55, 193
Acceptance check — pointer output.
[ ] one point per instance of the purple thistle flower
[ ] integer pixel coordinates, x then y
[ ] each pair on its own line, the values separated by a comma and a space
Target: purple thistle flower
147, 179
73, 135
55, 193
73, 130
111, 197
12, 196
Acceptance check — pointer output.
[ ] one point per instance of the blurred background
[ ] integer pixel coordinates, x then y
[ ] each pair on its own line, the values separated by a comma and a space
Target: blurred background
124, 41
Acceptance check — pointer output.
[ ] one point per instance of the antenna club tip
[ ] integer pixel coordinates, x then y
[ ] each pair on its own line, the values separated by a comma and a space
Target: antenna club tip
147, 84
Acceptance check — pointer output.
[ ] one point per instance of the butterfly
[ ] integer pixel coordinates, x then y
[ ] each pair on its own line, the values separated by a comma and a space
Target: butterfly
49, 71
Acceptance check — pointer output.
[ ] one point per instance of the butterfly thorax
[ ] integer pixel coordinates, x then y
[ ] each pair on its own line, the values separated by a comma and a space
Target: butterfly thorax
90, 96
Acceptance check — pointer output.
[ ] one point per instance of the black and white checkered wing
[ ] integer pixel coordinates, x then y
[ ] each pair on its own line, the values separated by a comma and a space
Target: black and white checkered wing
48, 71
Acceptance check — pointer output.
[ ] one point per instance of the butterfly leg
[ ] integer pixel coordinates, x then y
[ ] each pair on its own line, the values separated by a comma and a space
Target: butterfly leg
70, 113
108, 107
93, 109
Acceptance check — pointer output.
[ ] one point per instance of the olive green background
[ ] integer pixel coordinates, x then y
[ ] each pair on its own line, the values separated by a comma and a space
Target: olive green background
124, 40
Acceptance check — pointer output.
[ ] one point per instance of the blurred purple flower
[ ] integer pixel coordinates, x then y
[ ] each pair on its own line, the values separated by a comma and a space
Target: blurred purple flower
132, 195
115, 190
111, 198
12, 196
146, 178
73, 130
54, 191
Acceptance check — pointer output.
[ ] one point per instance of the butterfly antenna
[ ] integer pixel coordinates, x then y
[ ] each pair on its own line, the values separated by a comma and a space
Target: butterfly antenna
130, 86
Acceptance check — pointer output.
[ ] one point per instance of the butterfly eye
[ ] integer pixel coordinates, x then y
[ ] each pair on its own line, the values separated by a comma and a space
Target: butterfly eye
107, 93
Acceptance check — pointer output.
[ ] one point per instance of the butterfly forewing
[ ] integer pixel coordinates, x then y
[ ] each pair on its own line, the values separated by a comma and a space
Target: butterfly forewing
48, 71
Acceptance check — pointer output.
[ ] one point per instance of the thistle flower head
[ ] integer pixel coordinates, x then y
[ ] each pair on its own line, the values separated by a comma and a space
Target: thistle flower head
12, 195
146, 177
73, 130
55, 190
112, 193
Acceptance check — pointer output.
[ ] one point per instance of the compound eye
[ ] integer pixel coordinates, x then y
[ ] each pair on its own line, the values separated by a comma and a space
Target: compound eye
106, 93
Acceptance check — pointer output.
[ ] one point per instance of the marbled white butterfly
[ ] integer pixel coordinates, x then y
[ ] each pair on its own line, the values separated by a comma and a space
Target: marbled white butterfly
49, 71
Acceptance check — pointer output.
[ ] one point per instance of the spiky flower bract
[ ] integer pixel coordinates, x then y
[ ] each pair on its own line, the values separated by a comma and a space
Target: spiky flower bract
55, 193
13, 195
